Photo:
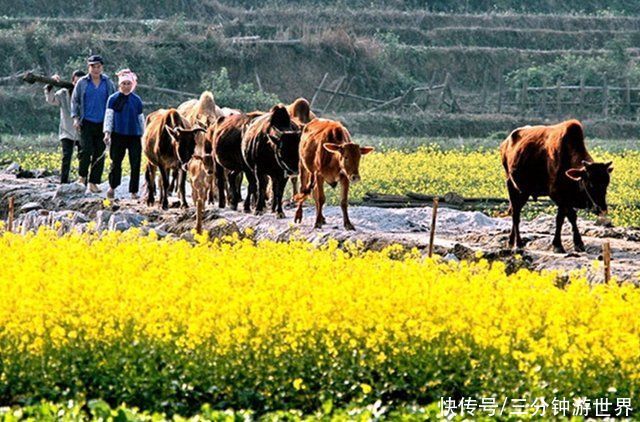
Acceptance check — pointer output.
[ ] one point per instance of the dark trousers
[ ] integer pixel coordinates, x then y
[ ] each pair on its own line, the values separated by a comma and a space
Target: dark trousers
67, 153
120, 144
91, 151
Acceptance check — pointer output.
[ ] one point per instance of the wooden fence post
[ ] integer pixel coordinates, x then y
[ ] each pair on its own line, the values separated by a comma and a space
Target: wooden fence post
199, 212
606, 257
11, 212
318, 88
434, 213
337, 90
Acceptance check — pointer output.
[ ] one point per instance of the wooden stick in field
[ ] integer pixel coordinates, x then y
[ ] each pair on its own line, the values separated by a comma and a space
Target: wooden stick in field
606, 257
199, 212
434, 214
11, 211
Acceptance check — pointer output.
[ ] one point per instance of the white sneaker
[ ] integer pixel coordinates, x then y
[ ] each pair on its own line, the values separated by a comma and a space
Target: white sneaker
111, 193
82, 180
93, 188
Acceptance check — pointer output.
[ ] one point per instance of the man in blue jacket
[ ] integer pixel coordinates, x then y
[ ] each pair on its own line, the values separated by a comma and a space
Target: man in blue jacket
88, 106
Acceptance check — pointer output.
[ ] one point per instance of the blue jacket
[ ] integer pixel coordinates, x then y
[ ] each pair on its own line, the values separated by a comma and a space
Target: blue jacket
129, 120
77, 99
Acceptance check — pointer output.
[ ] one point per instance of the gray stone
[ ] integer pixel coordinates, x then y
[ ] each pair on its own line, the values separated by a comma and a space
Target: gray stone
12, 168
69, 190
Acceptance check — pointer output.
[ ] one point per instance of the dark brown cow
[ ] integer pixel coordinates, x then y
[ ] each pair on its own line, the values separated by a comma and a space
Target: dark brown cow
270, 150
168, 142
327, 155
226, 139
553, 161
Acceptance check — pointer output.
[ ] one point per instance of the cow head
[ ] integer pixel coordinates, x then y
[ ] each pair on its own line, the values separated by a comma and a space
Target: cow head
286, 144
349, 158
207, 161
593, 179
284, 136
183, 142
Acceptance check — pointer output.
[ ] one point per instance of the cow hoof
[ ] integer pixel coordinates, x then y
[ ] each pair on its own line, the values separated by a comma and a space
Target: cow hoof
579, 247
558, 249
349, 226
317, 225
280, 214
258, 212
184, 206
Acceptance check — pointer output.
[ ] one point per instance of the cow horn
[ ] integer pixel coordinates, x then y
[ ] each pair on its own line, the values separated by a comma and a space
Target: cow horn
608, 164
586, 163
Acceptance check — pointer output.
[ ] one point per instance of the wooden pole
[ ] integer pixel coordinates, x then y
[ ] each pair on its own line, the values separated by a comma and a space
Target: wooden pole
627, 94
543, 97
258, 81
11, 212
606, 257
199, 212
434, 214
315, 94
337, 90
346, 89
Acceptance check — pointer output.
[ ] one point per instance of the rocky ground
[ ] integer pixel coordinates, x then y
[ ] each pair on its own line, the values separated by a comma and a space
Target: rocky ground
459, 235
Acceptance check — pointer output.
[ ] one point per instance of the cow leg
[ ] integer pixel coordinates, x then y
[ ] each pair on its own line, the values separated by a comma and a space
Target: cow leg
235, 188
344, 202
263, 181
578, 245
150, 178
251, 192
557, 238
320, 199
516, 200
294, 186
279, 183
221, 179
305, 178
182, 194
164, 188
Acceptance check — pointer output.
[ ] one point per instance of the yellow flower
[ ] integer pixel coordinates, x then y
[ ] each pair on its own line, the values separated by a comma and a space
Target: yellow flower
366, 388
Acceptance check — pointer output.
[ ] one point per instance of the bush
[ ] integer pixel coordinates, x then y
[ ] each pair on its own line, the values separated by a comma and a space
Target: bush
243, 96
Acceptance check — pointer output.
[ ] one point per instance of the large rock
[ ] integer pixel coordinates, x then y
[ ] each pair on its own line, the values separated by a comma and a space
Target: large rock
69, 191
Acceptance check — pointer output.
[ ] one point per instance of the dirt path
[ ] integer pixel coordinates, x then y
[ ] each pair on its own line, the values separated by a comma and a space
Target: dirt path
460, 234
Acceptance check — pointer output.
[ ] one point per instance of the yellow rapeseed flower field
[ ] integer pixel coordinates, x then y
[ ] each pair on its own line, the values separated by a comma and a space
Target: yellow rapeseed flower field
168, 325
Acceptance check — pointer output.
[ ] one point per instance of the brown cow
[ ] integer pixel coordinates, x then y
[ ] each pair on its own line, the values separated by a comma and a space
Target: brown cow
168, 142
201, 175
327, 154
553, 161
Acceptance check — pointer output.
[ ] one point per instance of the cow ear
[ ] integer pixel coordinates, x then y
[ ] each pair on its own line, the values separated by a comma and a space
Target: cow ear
366, 150
609, 166
335, 148
576, 174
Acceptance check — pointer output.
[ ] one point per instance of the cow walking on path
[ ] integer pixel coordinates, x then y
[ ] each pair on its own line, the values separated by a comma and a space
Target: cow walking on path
553, 161
327, 155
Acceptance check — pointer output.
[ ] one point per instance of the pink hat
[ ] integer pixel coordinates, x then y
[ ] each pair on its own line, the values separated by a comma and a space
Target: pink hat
127, 75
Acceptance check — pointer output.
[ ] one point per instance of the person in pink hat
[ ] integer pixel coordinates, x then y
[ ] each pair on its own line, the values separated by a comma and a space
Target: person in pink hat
123, 128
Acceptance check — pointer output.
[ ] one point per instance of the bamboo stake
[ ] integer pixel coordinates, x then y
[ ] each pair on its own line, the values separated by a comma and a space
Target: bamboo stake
199, 212
11, 211
606, 257
434, 213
